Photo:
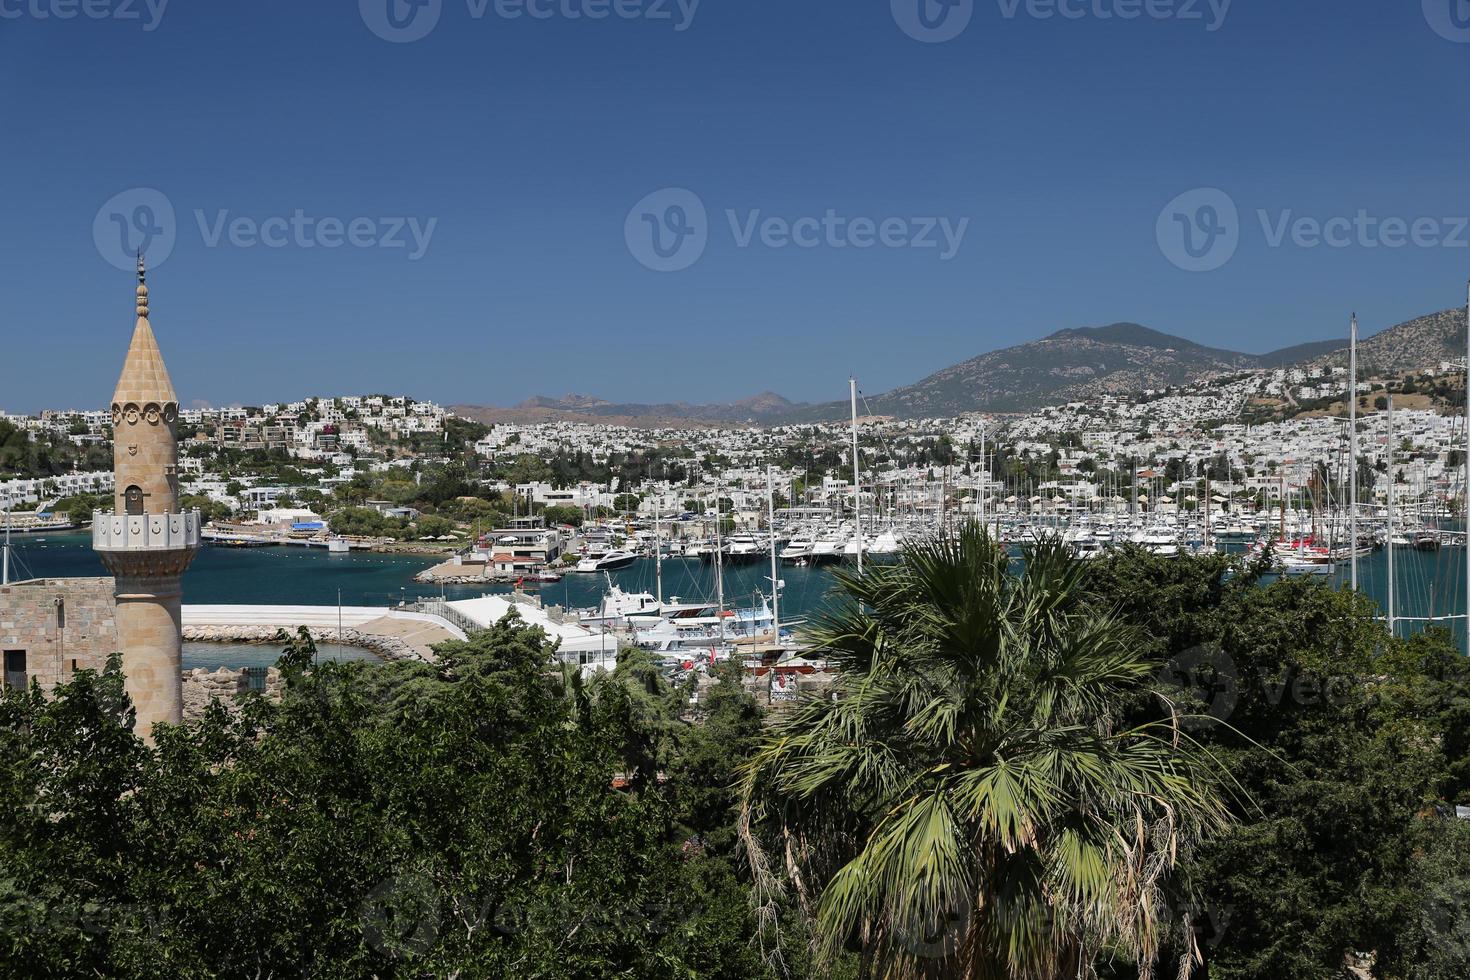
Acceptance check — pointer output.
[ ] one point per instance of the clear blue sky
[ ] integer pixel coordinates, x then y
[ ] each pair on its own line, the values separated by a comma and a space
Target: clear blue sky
529, 140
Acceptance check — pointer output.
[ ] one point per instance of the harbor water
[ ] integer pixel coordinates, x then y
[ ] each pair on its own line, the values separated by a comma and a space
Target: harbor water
1430, 584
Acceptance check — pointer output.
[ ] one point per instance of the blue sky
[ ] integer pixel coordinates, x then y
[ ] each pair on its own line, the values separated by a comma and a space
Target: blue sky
522, 145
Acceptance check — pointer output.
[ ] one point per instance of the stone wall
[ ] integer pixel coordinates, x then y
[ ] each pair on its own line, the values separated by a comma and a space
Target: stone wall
387, 647
62, 625
201, 686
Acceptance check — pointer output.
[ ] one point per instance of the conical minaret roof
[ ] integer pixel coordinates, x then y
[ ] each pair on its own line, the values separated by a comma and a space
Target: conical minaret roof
144, 376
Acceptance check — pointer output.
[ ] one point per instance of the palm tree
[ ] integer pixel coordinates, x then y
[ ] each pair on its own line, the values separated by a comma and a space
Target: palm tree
970, 801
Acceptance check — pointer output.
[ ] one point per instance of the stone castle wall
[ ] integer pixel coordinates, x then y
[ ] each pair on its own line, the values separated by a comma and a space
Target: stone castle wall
62, 625
200, 686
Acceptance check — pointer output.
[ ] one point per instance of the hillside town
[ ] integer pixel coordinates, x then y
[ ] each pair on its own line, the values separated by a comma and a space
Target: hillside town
376, 467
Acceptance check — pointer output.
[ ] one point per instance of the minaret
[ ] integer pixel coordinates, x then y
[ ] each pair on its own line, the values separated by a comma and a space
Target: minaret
146, 542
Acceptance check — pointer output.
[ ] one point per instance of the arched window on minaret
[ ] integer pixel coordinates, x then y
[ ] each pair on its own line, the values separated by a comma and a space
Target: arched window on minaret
133, 498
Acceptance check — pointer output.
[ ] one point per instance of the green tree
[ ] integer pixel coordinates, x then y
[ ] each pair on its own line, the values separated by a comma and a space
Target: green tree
968, 800
466, 818
564, 515
1336, 738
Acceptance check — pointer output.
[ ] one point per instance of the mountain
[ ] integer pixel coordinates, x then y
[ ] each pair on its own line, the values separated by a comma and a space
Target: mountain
1300, 353
765, 405
1075, 364
1070, 365
764, 408
1081, 363
1422, 342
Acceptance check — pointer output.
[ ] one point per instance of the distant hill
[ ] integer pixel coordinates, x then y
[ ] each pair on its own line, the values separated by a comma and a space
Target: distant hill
765, 408
1081, 363
1070, 365
1074, 364
1312, 351
1421, 342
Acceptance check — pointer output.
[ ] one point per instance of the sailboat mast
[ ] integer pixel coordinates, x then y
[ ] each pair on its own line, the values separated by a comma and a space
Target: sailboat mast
982, 476
719, 561
857, 479
1353, 452
658, 553
1466, 514
5, 561
775, 579
1391, 609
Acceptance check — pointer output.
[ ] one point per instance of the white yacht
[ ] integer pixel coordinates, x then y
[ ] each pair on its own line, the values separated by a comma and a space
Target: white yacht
609, 561
743, 548
798, 549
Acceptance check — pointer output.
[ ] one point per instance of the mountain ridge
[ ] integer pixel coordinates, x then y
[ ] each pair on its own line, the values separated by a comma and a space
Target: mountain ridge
1071, 364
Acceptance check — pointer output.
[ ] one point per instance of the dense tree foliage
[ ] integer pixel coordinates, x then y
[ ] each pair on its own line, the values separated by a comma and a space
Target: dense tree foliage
28, 457
481, 817
1346, 748
1020, 773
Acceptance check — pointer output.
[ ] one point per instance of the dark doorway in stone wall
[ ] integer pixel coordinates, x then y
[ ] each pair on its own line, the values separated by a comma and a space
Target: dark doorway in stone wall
133, 500
15, 670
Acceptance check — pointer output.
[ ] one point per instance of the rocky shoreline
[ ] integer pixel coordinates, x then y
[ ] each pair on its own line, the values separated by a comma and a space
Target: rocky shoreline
387, 647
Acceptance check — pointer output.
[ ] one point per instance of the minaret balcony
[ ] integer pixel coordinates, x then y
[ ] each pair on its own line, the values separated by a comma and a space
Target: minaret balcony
145, 532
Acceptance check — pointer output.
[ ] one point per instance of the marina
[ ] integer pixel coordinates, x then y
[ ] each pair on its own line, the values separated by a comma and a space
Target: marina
1430, 584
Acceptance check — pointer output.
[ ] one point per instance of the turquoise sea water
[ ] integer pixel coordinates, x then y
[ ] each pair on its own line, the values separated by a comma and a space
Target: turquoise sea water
1429, 583
302, 576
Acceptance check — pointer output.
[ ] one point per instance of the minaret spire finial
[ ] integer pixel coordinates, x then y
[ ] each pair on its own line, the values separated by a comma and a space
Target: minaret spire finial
142, 288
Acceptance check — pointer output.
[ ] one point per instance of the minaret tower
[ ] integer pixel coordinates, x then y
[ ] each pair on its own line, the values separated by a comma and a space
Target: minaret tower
146, 542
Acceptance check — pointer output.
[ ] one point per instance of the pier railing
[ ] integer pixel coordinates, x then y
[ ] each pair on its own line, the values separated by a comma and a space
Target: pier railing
441, 608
